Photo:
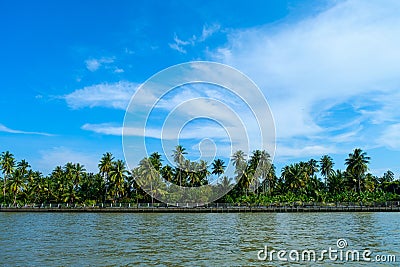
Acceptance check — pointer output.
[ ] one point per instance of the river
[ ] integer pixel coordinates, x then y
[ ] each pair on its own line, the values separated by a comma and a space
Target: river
206, 239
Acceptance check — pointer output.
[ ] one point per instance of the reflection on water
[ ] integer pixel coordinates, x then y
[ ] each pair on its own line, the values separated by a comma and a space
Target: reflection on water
86, 239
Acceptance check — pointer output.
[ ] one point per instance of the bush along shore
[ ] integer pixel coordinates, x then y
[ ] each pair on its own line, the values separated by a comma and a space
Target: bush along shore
312, 185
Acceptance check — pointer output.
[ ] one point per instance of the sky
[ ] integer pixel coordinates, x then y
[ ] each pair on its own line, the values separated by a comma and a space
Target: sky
329, 71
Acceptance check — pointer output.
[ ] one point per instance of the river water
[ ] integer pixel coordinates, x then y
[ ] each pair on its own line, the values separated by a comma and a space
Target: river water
207, 239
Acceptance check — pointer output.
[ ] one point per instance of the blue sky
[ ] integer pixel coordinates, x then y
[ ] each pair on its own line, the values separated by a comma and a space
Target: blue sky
329, 70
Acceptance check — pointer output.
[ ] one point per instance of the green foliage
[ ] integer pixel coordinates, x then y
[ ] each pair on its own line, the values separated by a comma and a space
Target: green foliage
255, 181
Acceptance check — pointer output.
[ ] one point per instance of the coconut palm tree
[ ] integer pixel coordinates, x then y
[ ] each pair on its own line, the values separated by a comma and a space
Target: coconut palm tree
312, 167
295, 177
148, 177
59, 181
263, 168
335, 182
244, 179
357, 165
118, 177
17, 183
156, 161
35, 188
203, 172
23, 166
179, 159
252, 170
326, 169
78, 172
225, 184
238, 159
218, 167
270, 180
105, 165
387, 177
167, 173
7, 163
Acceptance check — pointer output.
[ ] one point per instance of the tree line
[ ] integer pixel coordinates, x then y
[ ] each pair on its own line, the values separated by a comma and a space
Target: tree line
255, 180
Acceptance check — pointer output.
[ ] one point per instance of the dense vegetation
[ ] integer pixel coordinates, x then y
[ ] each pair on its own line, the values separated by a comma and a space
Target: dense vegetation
258, 184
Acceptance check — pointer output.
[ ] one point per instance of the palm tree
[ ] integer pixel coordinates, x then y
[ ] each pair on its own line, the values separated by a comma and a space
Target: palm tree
178, 154
148, 177
7, 162
244, 179
240, 164
70, 193
179, 159
218, 167
371, 182
78, 172
118, 177
23, 165
59, 182
357, 165
225, 185
255, 158
387, 177
326, 167
17, 183
312, 167
238, 158
270, 180
203, 172
167, 173
335, 181
35, 186
296, 177
263, 169
156, 160
132, 183
105, 165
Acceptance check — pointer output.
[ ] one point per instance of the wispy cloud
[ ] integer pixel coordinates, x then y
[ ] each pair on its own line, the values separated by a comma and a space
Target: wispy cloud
94, 64
180, 45
5, 129
391, 136
192, 113
59, 156
167, 133
119, 70
348, 53
178, 48
287, 152
208, 30
111, 95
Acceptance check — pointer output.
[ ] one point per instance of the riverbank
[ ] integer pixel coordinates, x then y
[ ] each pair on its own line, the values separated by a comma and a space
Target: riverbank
222, 209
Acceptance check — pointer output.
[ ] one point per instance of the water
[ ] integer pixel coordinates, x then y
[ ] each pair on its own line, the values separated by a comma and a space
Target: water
176, 239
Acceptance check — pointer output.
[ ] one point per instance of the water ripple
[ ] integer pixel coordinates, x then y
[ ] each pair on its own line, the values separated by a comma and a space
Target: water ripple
58, 239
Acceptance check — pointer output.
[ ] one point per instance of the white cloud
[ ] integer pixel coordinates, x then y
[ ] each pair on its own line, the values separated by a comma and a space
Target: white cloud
209, 30
345, 52
285, 152
59, 156
119, 70
178, 48
111, 95
94, 64
5, 129
391, 136
179, 44
192, 113
167, 133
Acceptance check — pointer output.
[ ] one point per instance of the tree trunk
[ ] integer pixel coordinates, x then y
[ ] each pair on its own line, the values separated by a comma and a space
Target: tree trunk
4, 188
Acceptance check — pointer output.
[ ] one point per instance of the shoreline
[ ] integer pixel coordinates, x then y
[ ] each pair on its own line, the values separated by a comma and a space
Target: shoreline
283, 209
